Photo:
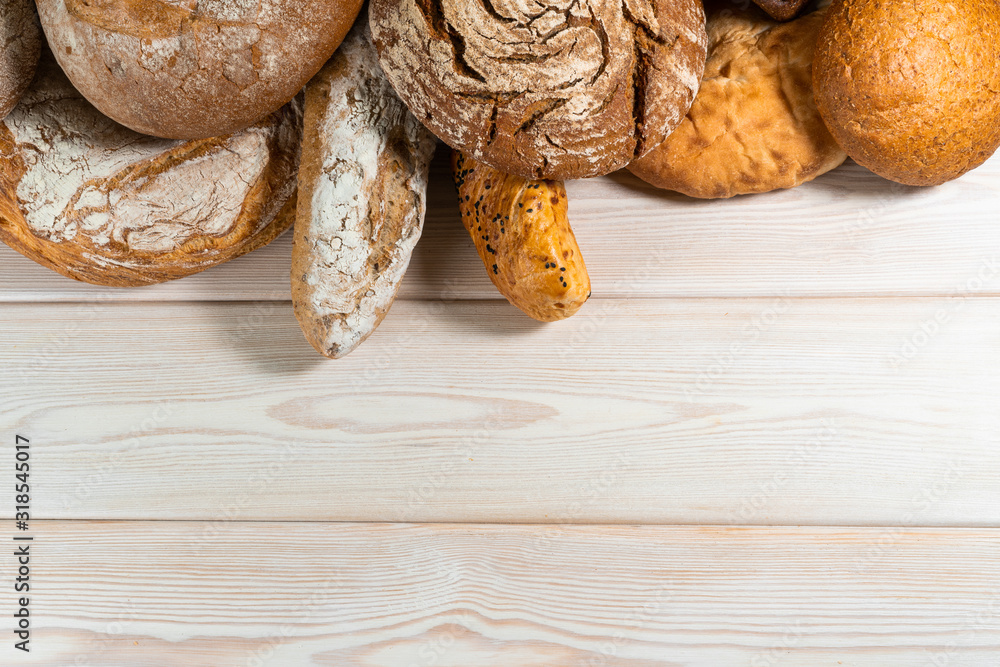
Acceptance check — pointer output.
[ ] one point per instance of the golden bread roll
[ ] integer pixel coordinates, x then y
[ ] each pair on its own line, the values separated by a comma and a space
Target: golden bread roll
754, 126
911, 90
191, 69
100, 203
522, 233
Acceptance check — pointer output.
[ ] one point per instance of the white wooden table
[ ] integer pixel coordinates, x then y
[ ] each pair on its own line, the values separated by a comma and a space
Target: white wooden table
771, 438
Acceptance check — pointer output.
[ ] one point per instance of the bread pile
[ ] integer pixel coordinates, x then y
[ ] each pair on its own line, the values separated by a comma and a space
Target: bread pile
159, 138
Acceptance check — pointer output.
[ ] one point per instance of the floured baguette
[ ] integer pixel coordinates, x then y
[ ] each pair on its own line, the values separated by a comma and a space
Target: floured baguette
363, 192
521, 231
100, 203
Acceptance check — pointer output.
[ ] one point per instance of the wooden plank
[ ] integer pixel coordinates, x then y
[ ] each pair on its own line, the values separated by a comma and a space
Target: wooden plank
274, 594
758, 411
849, 233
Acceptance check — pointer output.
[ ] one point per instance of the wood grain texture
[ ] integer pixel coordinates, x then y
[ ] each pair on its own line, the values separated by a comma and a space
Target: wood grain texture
849, 233
729, 411
163, 594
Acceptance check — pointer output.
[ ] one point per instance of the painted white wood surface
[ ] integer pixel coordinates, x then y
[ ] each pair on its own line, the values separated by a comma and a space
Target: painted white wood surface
849, 233
165, 593
729, 411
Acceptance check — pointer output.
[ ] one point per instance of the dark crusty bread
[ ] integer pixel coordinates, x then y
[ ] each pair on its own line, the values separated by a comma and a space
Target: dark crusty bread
754, 126
911, 90
20, 44
186, 69
363, 192
552, 90
781, 10
98, 202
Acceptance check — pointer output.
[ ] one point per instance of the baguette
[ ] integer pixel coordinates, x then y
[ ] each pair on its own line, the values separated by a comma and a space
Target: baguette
365, 163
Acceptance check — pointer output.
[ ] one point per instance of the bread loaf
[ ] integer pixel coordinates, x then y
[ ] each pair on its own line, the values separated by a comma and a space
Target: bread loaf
522, 233
552, 90
754, 126
911, 90
781, 10
191, 69
363, 189
100, 203
20, 45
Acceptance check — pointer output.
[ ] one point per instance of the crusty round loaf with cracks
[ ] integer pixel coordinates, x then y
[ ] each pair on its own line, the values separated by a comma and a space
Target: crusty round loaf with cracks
191, 69
911, 90
100, 203
20, 45
554, 89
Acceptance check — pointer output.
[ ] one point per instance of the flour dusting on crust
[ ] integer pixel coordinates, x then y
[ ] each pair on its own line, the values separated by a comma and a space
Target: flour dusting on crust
558, 89
364, 182
88, 193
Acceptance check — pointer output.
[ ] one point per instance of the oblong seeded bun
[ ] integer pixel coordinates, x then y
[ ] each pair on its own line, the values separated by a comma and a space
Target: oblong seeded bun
187, 69
552, 90
97, 202
911, 90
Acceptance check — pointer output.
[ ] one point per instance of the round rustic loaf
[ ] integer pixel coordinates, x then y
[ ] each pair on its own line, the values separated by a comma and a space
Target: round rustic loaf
754, 126
558, 90
911, 90
191, 69
98, 202
20, 44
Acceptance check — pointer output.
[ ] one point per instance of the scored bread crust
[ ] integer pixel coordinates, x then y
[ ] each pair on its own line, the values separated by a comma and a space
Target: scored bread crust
564, 89
100, 203
911, 90
191, 69
754, 126
363, 191
20, 46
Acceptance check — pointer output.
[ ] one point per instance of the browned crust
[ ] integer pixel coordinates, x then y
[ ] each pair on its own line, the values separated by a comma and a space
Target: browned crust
193, 70
911, 90
522, 233
781, 10
135, 268
558, 93
754, 126
20, 46
263, 216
